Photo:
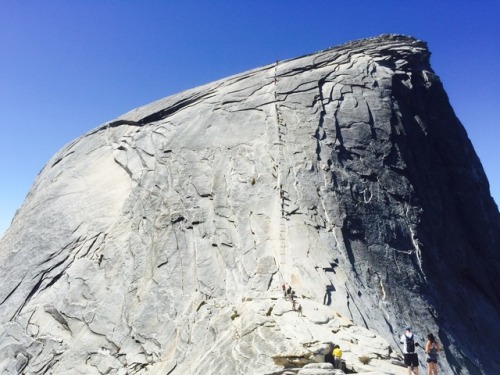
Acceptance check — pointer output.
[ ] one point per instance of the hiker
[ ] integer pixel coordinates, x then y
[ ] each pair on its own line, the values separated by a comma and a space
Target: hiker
337, 357
409, 342
432, 348
284, 289
289, 290
327, 299
299, 309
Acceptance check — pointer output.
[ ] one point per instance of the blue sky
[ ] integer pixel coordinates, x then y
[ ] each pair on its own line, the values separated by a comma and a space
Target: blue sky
68, 66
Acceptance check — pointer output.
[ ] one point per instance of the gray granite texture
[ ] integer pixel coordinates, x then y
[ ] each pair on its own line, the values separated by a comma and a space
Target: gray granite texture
158, 243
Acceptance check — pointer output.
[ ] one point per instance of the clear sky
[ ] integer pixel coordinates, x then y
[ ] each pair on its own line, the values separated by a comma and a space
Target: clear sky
68, 66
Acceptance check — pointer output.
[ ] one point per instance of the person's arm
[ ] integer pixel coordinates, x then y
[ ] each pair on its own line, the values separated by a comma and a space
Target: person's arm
428, 347
438, 348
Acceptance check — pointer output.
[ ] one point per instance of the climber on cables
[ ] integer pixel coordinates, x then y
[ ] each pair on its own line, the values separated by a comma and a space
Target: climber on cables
299, 309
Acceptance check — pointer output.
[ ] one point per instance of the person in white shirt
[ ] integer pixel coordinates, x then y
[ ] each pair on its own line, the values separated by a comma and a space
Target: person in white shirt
410, 344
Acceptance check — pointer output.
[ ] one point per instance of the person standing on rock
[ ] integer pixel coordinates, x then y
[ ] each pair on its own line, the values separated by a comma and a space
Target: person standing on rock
337, 357
432, 348
410, 343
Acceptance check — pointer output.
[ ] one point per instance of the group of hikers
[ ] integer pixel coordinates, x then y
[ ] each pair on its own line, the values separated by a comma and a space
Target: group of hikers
289, 293
408, 340
410, 344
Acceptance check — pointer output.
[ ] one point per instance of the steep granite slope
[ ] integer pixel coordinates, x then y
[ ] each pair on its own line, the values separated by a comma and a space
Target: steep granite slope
159, 242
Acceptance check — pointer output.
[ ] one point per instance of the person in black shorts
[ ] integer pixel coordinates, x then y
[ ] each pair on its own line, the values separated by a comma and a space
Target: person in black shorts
410, 344
432, 349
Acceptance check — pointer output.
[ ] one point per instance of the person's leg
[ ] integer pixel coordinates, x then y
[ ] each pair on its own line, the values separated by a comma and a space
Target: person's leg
435, 367
415, 363
338, 363
407, 362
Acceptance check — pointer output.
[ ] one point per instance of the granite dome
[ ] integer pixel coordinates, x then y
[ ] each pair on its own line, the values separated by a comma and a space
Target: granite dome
158, 243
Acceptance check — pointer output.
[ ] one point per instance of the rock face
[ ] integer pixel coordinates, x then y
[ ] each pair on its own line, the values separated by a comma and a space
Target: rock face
158, 243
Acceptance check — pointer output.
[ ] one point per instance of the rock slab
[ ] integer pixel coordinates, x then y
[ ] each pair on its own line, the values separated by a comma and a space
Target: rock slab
158, 243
